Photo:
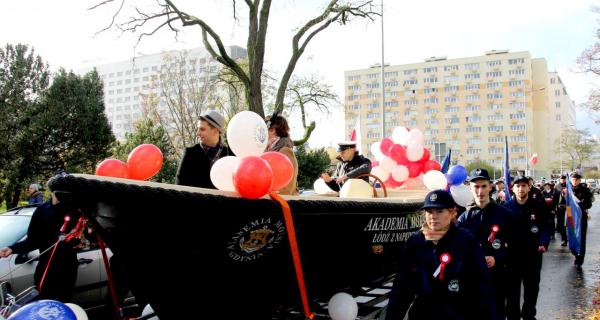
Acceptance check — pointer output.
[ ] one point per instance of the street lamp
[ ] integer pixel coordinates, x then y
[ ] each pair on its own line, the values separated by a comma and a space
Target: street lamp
526, 121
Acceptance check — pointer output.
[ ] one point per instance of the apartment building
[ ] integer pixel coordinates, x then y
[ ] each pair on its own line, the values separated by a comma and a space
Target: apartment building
126, 81
466, 104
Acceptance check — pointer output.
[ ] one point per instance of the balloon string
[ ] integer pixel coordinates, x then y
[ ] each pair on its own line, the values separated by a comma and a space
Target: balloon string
289, 226
111, 281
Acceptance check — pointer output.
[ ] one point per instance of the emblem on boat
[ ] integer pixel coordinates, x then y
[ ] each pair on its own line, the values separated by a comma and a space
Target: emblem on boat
433, 197
255, 239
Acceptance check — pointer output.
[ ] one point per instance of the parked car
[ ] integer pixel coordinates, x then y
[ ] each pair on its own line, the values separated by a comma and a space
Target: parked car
91, 285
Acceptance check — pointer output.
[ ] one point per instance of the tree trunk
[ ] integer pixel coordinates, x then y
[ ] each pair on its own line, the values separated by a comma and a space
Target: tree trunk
16, 195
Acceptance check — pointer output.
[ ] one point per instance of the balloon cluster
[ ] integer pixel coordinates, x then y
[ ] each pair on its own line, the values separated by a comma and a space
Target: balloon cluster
143, 162
454, 179
252, 172
49, 310
401, 160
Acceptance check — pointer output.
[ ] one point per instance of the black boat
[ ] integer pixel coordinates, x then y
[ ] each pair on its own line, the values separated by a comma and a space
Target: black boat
190, 251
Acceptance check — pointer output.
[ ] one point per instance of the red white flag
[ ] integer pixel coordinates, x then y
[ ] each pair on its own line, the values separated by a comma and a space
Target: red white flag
357, 136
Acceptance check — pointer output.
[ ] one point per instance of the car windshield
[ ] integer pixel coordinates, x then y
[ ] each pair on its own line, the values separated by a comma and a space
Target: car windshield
13, 228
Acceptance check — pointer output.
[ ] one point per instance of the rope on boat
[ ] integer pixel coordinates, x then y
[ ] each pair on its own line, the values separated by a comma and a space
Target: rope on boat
289, 225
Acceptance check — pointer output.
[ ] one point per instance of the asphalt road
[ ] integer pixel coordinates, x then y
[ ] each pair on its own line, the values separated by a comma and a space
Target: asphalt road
565, 292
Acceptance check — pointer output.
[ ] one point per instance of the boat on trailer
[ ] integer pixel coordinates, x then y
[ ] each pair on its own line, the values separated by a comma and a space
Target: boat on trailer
188, 250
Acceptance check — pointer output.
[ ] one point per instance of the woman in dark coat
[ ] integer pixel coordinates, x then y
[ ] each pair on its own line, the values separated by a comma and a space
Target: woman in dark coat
442, 272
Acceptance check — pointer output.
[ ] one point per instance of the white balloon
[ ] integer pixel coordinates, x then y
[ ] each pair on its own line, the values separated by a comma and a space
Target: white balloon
376, 151
381, 173
147, 311
435, 180
221, 173
356, 188
415, 135
414, 151
400, 173
461, 194
400, 135
80, 314
342, 306
247, 134
321, 187
387, 163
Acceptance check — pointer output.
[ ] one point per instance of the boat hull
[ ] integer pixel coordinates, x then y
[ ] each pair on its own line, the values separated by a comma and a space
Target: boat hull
232, 251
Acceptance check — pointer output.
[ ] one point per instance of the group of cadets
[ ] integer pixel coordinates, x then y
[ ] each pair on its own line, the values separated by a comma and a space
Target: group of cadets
483, 281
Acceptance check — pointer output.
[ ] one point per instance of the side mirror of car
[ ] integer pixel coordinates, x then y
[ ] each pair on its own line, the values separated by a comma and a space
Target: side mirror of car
25, 257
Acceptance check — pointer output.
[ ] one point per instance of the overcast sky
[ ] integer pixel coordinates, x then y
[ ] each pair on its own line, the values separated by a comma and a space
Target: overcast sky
63, 33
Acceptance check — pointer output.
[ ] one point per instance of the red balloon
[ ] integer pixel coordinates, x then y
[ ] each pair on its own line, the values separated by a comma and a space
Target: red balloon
112, 168
414, 169
398, 153
431, 165
252, 177
426, 155
282, 168
374, 163
144, 162
392, 183
385, 145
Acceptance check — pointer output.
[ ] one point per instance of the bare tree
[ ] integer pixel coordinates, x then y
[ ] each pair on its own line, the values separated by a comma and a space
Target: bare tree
589, 62
182, 91
309, 93
579, 145
168, 15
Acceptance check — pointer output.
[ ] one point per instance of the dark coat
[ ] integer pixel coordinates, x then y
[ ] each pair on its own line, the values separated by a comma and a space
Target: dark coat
352, 169
464, 293
194, 168
43, 232
583, 193
481, 221
36, 198
531, 228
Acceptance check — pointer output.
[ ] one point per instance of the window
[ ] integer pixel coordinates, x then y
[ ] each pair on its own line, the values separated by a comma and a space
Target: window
350, 88
520, 115
470, 76
430, 80
472, 66
495, 150
495, 117
375, 115
410, 72
453, 78
453, 67
452, 120
391, 83
431, 111
493, 74
472, 119
354, 78
432, 100
473, 129
373, 105
409, 112
410, 82
472, 87
451, 99
410, 123
493, 85
473, 151
450, 109
391, 74
558, 117
354, 106
517, 94
391, 103
452, 131
516, 61
516, 83
518, 139
517, 105
495, 128
515, 72
410, 92
517, 127
410, 102
372, 76
493, 107
557, 92
374, 95
451, 89
353, 97
429, 69
472, 108
557, 104
431, 121
496, 95
472, 97
494, 63
429, 90
496, 140
476, 140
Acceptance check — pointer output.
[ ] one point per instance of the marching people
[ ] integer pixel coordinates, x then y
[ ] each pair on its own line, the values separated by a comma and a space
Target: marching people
194, 169
583, 197
279, 140
550, 198
498, 194
35, 195
531, 239
351, 165
491, 225
561, 209
442, 272
47, 224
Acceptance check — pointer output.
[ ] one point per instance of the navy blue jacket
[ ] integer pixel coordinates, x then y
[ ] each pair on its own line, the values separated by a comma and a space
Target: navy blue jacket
352, 169
531, 228
463, 293
481, 221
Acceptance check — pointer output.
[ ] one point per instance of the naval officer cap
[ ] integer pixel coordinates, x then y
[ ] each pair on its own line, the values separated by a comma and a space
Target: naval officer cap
479, 174
439, 199
346, 145
521, 179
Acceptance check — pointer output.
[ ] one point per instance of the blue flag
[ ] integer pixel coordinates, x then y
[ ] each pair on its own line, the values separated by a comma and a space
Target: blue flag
446, 162
574, 215
506, 171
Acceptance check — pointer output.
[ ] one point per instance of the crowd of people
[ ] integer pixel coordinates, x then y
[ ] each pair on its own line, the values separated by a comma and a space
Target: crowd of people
473, 264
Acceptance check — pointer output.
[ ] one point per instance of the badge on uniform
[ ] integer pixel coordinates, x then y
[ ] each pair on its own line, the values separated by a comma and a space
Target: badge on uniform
497, 244
534, 229
495, 230
445, 258
454, 285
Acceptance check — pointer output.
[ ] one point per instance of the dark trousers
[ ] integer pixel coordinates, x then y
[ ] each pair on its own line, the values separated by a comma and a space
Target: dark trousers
499, 283
560, 223
525, 270
579, 258
60, 279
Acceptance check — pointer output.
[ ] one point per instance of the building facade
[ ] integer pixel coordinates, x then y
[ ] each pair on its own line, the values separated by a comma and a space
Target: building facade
467, 104
125, 82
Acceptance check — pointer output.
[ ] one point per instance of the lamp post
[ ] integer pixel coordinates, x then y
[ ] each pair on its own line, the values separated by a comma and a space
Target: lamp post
382, 79
526, 124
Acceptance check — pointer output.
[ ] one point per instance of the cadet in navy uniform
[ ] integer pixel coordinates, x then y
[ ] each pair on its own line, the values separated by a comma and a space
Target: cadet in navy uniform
491, 225
531, 239
351, 165
442, 273
584, 195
